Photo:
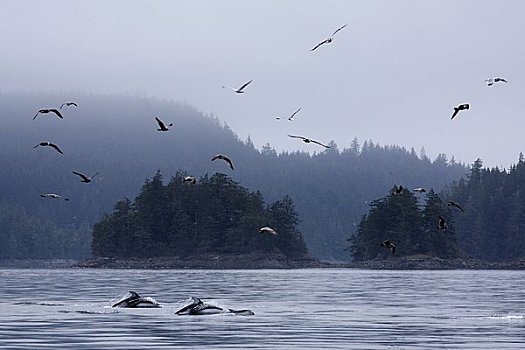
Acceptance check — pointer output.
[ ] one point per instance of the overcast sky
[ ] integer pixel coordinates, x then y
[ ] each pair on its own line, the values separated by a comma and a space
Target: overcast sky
393, 75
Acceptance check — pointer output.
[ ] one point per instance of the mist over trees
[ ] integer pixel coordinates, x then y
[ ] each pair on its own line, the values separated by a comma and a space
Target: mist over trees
116, 136
216, 215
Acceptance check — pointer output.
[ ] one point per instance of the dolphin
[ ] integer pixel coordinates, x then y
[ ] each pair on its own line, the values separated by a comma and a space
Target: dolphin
195, 306
132, 299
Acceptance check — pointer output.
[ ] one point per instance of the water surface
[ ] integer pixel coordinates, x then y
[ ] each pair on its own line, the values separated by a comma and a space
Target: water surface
294, 309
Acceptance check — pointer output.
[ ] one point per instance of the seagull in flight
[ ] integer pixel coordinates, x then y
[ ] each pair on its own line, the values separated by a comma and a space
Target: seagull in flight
67, 104
492, 81
456, 205
390, 245
419, 190
53, 195
267, 229
190, 179
241, 89
85, 179
330, 39
49, 144
162, 127
48, 110
461, 107
225, 158
307, 140
290, 118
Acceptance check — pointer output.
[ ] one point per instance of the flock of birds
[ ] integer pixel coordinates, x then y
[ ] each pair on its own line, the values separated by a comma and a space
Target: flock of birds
163, 127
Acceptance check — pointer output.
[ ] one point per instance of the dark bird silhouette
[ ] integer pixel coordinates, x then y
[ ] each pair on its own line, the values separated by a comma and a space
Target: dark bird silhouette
241, 89
162, 127
190, 179
442, 224
290, 118
461, 107
390, 245
225, 158
49, 144
53, 195
267, 229
454, 204
419, 189
330, 39
492, 81
48, 110
307, 140
398, 190
85, 178
67, 104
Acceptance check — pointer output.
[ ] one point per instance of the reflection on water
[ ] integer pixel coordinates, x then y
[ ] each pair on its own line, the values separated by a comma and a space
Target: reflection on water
307, 309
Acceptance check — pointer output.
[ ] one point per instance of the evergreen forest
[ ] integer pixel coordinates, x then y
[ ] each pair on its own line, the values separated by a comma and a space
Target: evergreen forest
331, 189
214, 215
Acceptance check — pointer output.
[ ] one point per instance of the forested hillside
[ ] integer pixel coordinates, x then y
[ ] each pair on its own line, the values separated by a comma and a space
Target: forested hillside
214, 215
116, 136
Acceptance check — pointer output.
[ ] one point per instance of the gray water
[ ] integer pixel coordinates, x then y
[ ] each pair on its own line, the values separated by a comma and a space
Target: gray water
294, 309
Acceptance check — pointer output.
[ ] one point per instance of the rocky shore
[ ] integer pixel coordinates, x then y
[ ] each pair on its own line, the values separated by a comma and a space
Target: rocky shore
212, 261
424, 262
279, 261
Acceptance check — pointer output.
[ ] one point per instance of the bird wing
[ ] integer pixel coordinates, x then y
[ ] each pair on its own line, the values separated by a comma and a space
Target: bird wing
54, 110
228, 160
161, 124
55, 147
92, 176
293, 114
72, 104
339, 29
245, 85
297, 137
319, 143
216, 157
84, 177
36, 115
62, 105
456, 111
321, 43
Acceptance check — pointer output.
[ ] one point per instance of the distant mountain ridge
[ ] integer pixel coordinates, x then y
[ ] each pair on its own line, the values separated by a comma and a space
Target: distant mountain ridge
116, 136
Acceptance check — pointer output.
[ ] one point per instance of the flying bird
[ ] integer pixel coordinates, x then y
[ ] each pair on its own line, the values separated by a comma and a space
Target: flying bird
162, 127
419, 189
267, 229
53, 195
307, 140
398, 190
85, 179
290, 118
492, 81
49, 144
190, 179
67, 104
390, 245
48, 110
461, 107
442, 224
241, 89
225, 158
454, 204
330, 39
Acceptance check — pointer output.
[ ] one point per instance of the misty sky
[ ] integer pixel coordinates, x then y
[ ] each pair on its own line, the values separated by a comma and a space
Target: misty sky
392, 76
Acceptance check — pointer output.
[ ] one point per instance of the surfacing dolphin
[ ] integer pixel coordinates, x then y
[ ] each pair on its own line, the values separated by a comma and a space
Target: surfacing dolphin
195, 306
132, 299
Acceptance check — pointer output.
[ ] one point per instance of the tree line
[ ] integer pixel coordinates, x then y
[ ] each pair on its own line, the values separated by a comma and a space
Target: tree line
215, 215
491, 228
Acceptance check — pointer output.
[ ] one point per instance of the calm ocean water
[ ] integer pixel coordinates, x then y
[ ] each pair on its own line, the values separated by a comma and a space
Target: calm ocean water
294, 309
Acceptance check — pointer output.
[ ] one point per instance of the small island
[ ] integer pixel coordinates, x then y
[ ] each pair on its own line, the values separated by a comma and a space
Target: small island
210, 223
